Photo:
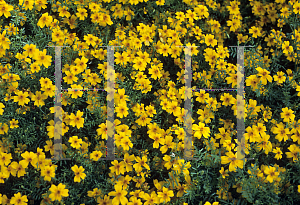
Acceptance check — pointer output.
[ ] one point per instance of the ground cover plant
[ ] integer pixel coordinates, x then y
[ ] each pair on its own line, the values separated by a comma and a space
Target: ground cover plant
149, 64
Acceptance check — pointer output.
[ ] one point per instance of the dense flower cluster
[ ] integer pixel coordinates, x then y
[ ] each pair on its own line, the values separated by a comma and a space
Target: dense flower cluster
149, 123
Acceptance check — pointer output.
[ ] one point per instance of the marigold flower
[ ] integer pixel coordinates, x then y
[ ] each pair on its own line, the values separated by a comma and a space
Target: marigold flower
165, 195
77, 120
18, 199
119, 195
75, 142
296, 7
278, 153
209, 40
6, 9
95, 155
21, 98
45, 20
201, 130
280, 78
294, 151
48, 172
122, 110
287, 115
255, 31
78, 171
57, 192
81, 13
272, 174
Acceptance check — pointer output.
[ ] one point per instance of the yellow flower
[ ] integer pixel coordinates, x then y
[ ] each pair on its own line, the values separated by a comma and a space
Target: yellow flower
45, 82
158, 139
224, 172
1, 108
78, 173
81, 13
165, 195
232, 159
18, 199
5, 158
265, 143
95, 155
75, 142
164, 49
271, 172
143, 120
191, 16
119, 195
296, 7
286, 47
252, 81
227, 99
118, 168
201, 130
28, 4
70, 78
49, 91
21, 98
168, 144
281, 131
201, 96
122, 110
121, 58
96, 192
294, 151
140, 163
209, 40
202, 11
45, 20
48, 172
234, 25
57, 192
180, 16
29, 50
160, 2
75, 91
285, 13
264, 75
29, 157
5, 9
49, 147
155, 72
255, 31
150, 110
280, 78
208, 203
126, 143
39, 98
19, 168
287, 115
35, 68
102, 131
278, 153
77, 120
63, 12
81, 64
152, 198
